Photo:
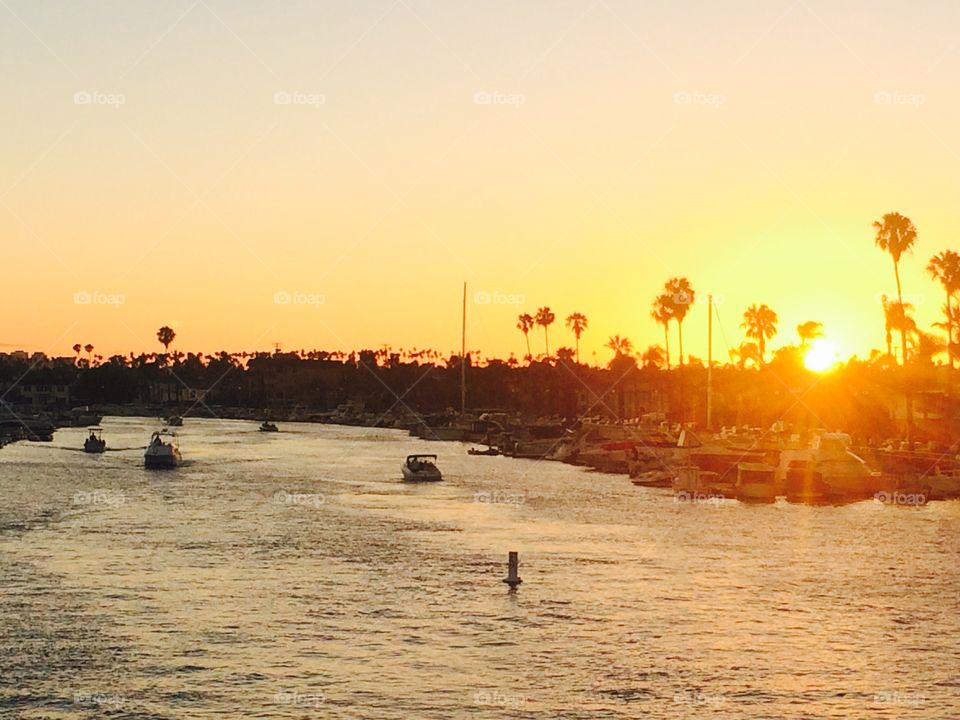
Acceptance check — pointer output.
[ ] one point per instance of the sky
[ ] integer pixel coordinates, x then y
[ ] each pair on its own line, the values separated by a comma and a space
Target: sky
327, 175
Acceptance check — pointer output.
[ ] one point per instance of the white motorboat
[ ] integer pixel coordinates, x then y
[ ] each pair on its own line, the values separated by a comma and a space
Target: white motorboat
421, 468
163, 452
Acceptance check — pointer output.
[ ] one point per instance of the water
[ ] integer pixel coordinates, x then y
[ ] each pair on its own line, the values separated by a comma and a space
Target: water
292, 575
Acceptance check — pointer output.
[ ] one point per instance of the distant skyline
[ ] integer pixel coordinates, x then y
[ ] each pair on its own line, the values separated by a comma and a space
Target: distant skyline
198, 158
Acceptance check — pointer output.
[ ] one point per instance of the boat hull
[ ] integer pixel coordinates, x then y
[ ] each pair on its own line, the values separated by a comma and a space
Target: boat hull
161, 461
421, 475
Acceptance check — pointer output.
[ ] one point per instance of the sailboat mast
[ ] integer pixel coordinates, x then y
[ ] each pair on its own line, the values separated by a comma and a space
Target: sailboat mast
710, 367
463, 354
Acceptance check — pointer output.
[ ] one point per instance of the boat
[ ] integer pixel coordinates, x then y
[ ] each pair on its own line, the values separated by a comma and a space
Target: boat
828, 471
163, 452
803, 483
266, 426
175, 421
943, 486
84, 416
490, 451
421, 468
95, 443
756, 483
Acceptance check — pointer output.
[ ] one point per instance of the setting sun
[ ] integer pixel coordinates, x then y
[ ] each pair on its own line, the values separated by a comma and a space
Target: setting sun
821, 356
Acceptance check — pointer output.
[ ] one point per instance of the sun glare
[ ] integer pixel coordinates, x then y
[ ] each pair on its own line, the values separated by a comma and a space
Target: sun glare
821, 356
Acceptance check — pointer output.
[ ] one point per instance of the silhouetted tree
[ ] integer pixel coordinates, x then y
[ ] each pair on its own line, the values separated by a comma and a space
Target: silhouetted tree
545, 318
896, 235
578, 323
760, 322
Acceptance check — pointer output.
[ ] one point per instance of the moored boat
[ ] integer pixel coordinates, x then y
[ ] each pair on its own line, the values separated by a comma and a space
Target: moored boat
943, 486
266, 426
756, 483
163, 452
829, 471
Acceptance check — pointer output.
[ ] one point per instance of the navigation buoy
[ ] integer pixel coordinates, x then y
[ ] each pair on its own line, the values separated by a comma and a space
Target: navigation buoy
513, 570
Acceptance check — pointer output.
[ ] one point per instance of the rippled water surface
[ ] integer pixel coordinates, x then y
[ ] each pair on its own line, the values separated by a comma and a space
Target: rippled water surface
293, 576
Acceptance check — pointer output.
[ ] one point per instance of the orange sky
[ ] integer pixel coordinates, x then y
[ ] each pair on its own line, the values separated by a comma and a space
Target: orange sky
376, 155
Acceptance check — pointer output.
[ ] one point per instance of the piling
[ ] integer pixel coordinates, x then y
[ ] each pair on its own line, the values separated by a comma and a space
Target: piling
513, 570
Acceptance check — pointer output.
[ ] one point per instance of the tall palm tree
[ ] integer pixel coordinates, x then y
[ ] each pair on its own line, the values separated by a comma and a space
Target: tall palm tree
89, 350
662, 312
945, 268
77, 348
524, 324
682, 297
896, 234
760, 322
544, 319
809, 330
578, 323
